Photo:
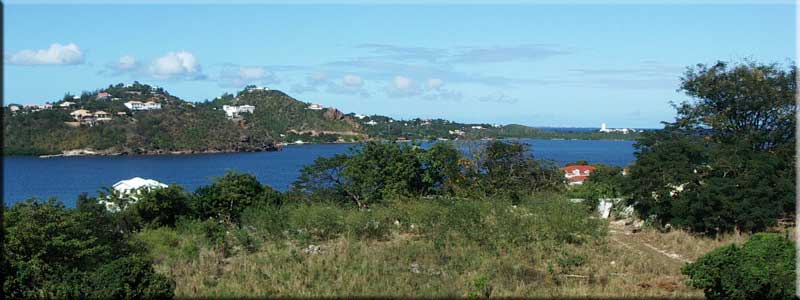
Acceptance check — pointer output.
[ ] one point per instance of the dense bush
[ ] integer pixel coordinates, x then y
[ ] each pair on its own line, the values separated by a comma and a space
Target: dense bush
374, 172
51, 251
229, 195
162, 207
762, 268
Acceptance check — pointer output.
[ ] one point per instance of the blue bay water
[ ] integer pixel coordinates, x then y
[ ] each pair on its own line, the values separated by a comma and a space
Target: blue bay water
68, 177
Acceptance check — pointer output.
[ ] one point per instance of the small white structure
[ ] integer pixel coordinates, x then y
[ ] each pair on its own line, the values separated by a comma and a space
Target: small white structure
360, 117
605, 129
257, 88
67, 104
604, 207
315, 107
131, 188
456, 132
232, 111
477, 127
371, 123
76, 97
138, 105
13, 108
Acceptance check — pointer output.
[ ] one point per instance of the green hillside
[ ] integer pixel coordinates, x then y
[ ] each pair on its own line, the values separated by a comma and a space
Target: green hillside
186, 127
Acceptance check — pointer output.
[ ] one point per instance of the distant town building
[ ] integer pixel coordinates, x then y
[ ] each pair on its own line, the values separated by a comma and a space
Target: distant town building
371, 123
138, 105
76, 97
66, 104
232, 111
456, 132
102, 96
315, 107
256, 88
477, 127
577, 174
360, 117
80, 114
102, 116
13, 108
604, 129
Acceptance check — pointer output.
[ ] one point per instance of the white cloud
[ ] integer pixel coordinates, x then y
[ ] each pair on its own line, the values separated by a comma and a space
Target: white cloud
351, 80
177, 65
434, 84
239, 76
402, 83
127, 62
57, 54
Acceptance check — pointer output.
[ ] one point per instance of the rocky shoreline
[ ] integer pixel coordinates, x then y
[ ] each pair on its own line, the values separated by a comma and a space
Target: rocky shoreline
131, 152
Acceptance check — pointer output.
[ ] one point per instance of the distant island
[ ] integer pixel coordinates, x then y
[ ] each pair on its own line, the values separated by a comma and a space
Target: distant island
138, 119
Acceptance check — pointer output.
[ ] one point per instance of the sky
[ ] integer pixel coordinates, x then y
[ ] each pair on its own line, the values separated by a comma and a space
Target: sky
575, 65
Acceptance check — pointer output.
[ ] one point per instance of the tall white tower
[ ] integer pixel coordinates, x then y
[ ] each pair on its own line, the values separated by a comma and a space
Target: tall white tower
603, 127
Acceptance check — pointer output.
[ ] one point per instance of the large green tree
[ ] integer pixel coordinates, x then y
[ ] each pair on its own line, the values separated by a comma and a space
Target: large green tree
727, 161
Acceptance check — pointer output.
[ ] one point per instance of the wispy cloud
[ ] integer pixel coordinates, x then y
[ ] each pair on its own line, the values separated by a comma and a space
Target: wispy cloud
56, 54
498, 97
507, 53
239, 76
125, 64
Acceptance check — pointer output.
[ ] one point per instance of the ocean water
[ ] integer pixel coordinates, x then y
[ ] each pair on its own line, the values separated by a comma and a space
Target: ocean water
67, 177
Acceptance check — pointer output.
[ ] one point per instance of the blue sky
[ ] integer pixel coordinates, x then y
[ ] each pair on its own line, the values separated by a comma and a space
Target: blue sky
539, 65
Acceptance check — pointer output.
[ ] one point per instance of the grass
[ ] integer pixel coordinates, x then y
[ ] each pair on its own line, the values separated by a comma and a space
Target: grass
424, 247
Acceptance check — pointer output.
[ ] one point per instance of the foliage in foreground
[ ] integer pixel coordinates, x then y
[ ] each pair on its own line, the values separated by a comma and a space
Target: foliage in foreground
54, 252
762, 268
727, 162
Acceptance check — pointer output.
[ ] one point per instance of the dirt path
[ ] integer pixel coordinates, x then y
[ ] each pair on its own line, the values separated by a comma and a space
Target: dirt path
630, 241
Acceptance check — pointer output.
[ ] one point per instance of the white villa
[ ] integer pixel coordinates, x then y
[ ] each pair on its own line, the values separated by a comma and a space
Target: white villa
315, 107
360, 117
233, 111
371, 123
138, 105
102, 116
477, 127
131, 188
66, 104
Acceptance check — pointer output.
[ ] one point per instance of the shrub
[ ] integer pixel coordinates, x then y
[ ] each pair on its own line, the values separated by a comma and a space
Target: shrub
162, 207
370, 224
229, 195
762, 268
319, 221
267, 222
130, 278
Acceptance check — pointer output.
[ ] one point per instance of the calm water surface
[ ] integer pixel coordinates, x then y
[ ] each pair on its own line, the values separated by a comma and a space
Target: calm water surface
68, 177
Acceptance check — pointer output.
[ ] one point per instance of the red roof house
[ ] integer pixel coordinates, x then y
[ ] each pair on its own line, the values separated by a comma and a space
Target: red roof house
576, 174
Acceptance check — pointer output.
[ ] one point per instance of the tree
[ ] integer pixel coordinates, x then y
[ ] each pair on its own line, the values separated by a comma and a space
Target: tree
762, 268
727, 161
229, 195
162, 207
510, 168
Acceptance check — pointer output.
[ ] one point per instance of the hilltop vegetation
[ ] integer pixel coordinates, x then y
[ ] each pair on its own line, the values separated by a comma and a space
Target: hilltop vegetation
186, 127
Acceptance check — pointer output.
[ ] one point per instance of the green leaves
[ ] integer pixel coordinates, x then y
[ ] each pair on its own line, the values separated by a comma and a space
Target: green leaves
727, 162
762, 268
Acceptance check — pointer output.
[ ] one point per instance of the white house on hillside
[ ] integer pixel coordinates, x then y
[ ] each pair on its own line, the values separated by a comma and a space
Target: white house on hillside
315, 107
131, 188
138, 105
232, 111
